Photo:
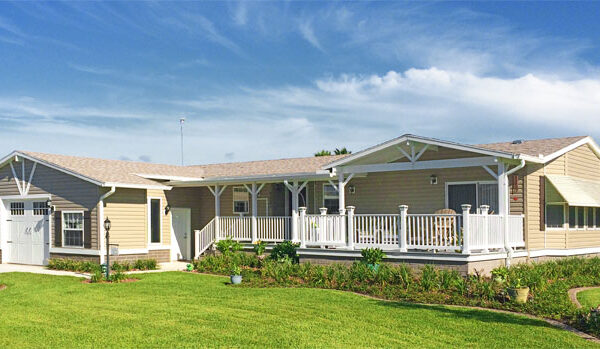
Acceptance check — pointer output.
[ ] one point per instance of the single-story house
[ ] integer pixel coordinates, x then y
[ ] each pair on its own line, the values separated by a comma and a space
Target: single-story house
421, 199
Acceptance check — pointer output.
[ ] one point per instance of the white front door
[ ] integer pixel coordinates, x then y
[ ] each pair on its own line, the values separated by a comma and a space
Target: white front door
29, 238
182, 234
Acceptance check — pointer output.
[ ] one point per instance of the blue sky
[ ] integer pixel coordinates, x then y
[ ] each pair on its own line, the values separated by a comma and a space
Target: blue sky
261, 80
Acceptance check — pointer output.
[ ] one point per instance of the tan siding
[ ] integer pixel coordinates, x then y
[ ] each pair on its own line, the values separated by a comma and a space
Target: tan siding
582, 162
556, 167
516, 190
383, 192
126, 209
584, 238
533, 235
67, 192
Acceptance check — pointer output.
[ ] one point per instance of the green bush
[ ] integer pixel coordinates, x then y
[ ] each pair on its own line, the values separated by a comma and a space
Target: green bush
73, 265
145, 264
97, 276
285, 250
117, 277
229, 246
372, 256
122, 266
260, 247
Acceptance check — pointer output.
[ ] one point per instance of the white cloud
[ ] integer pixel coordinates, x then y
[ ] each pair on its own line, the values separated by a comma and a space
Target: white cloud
307, 31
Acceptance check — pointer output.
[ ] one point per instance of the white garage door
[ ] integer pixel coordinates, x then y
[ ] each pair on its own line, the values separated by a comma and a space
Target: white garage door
29, 239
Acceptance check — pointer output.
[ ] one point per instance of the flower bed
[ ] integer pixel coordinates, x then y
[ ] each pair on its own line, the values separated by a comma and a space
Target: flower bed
549, 283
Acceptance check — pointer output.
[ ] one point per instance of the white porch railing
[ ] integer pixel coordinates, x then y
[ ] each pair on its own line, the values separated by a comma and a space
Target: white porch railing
376, 230
204, 238
447, 232
433, 231
273, 229
322, 230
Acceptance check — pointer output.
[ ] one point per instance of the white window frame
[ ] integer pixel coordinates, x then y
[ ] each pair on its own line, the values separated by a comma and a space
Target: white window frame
565, 216
447, 184
233, 200
149, 220
62, 228
329, 197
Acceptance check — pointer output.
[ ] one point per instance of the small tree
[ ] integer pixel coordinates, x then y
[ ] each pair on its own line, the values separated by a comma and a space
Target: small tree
342, 151
323, 153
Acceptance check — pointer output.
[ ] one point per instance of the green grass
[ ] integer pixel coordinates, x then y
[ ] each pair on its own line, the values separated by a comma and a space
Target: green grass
180, 309
589, 298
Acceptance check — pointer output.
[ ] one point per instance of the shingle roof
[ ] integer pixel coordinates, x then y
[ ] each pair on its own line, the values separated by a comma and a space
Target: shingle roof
114, 171
533, 147
268, 167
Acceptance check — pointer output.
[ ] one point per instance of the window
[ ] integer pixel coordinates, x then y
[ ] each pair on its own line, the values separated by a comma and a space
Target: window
597, 217
555, 216
40, 208
155, 219
576, 217
474, 194
240, 200
590, 217
17, 208
331, 198
72, 229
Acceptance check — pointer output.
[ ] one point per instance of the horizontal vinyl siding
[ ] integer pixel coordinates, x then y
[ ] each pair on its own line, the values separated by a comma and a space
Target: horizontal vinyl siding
533, 235
67, 192
583, 238
582, 162
126, 209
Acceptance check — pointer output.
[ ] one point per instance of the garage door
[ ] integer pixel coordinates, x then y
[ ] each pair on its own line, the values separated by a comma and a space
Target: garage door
29, 241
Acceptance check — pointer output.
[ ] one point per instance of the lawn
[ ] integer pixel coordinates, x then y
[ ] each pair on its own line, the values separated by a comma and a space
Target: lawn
589, 298
181, 309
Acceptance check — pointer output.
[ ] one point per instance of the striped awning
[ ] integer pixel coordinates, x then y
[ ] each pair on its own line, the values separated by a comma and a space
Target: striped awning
576, 191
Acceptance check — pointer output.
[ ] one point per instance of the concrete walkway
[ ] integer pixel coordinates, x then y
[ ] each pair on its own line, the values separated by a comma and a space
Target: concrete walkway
37, 269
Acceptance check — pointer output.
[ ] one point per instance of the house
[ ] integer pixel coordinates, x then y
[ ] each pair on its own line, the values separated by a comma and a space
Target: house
421, 199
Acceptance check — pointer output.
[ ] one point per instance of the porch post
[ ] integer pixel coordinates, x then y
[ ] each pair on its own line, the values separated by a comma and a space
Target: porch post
295, 212
254, 194
302, 224
503, 204
350, 227
403, 223
217, 194
486, 233
466, 233
341, 192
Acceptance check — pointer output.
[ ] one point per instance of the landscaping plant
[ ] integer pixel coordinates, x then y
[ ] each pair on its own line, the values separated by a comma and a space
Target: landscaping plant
285, 250
260, 247
372, 257
228, 246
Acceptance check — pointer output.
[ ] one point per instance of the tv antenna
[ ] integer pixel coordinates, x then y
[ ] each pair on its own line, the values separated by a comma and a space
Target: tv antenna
181, 121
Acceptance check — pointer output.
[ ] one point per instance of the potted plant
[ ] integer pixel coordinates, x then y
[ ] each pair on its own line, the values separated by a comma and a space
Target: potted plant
372, 257
518, 292
236, 275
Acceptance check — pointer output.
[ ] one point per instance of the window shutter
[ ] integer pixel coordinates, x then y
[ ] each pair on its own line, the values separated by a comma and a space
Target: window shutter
87, 229
542, 203
57, 228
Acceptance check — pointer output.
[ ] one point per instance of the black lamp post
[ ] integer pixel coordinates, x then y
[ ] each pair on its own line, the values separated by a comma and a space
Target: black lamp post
107, 228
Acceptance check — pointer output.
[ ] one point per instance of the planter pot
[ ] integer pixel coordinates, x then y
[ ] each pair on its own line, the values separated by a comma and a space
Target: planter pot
519, 294
235, 279
373, 267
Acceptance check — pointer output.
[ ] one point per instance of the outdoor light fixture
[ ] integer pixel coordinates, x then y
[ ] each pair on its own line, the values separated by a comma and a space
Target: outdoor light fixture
107, 229
351, 189
167, 209
433, 179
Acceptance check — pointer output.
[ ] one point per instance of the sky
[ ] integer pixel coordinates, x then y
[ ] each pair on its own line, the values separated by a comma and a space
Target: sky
266, 80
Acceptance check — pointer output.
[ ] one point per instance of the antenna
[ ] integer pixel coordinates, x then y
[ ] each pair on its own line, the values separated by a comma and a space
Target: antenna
181, 121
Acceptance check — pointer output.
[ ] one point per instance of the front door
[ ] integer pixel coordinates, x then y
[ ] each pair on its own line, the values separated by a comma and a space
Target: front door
29, 239
182, 233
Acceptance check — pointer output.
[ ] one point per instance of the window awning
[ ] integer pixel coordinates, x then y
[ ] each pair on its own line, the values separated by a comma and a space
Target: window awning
576, 191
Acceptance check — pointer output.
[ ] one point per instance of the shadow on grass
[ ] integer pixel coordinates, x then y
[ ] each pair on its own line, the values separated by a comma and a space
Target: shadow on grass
471, 314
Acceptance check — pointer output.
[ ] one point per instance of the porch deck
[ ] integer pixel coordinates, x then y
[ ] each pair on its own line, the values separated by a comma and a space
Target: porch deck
463, 234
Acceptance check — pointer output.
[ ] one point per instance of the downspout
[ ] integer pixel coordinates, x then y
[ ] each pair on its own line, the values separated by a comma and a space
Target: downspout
509, 249
101, 220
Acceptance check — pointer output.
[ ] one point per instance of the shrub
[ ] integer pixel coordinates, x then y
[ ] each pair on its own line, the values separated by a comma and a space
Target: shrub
260, 247
73, 265
372, 256
123, 266
228, 246
145, 264
117, 277
285, 250
97, 276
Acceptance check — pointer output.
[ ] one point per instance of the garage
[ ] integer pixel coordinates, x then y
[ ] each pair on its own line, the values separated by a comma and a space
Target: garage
28, 231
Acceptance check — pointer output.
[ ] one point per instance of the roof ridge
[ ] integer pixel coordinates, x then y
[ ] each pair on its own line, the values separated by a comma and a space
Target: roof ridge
33, 153
255, 161
534, 140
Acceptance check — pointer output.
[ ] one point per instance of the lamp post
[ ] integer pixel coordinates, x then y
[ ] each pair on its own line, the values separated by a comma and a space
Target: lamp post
107, 229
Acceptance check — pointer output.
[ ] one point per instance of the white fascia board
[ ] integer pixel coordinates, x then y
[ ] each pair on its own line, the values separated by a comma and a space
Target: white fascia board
422, 165
565, 252
78, 251
136, 186
425, 140
276, 178
587, 140
168, 178
23, 197
50, 165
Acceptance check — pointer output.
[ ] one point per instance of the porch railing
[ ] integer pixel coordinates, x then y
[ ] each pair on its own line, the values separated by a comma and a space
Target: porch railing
204, 238
464, 232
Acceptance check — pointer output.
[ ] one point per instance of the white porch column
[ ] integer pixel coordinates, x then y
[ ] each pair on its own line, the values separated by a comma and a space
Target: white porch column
486, 233
403, 224
254, 191
341, 192
217, 191
466, 226
302, 225
350, 227
503, 203
295, 190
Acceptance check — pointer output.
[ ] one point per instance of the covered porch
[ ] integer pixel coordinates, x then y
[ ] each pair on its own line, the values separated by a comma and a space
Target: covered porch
406, 195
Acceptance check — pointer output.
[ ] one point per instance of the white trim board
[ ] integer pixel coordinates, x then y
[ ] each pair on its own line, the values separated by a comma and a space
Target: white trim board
79, 251
421, 165
564, 252
149, 221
